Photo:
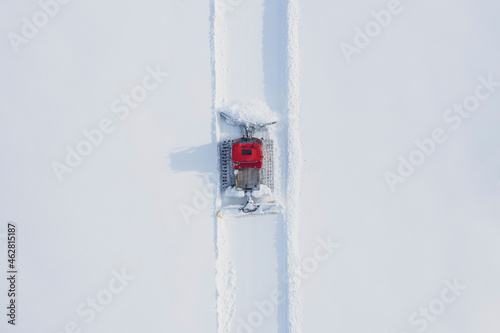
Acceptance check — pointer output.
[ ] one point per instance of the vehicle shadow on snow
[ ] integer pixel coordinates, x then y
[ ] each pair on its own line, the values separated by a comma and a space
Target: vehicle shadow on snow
200, 159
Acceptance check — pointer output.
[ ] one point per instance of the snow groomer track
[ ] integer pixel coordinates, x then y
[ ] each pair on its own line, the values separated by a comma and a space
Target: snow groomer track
255, 66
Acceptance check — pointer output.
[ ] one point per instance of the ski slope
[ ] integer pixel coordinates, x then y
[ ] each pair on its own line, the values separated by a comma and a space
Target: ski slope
250, 63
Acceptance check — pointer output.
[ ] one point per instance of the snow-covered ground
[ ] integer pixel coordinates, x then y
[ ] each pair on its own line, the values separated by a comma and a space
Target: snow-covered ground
398, 248
141, 201
399, 214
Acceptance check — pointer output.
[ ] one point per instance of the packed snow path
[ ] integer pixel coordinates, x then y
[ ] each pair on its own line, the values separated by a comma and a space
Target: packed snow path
255, 58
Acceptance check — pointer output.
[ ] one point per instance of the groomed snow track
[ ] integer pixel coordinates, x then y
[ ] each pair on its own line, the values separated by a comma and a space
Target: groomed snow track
255, 56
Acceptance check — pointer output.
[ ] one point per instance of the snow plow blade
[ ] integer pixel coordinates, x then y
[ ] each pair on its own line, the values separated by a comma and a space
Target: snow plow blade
236, 122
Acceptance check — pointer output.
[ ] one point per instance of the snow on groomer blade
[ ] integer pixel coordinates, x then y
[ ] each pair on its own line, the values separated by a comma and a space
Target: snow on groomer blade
247, 164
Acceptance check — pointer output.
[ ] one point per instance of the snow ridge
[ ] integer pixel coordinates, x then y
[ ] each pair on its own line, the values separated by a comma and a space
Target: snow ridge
294, 172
